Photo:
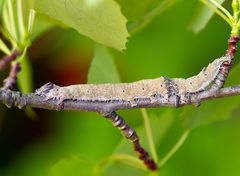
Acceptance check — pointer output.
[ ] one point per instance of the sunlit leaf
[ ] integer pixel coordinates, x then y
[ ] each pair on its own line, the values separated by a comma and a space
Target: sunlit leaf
139, 10
1, 5
43, 25
25, 82
102, 69
101, 20
25, 79
144, 12
201, 17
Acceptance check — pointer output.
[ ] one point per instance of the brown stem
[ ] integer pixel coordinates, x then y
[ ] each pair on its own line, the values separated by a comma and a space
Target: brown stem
148, 161
232, 45
232, 48
8, 59
10, 81
129, 133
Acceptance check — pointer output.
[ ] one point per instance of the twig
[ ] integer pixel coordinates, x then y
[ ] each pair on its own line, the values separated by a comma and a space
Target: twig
11, 80
17, 99
7, 59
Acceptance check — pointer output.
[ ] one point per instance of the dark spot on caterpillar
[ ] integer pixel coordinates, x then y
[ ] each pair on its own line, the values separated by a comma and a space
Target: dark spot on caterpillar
190, 82
154, 95
161, 85
136, 99
123, 90
143, 88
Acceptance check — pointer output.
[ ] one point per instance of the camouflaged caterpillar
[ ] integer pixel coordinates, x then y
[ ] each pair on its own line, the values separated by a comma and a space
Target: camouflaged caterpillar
144, 93
163, 91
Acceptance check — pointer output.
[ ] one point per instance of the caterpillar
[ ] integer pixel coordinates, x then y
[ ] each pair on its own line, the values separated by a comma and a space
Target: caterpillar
107, 98
144, 93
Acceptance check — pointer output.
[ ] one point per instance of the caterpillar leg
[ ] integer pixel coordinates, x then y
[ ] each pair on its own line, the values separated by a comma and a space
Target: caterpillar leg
129, 133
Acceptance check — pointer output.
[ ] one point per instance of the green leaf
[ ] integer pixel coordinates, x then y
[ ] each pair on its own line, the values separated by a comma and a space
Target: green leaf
201, 17
102, 69
42, 25
72, 166
140, 8
1, 5
101, 20
25, 80
144, 11
25, 83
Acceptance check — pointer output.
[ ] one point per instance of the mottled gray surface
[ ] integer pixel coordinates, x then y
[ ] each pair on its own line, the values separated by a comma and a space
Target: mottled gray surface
149, 92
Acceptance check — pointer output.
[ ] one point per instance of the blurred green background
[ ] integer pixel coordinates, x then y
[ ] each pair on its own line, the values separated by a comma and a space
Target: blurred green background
74, 143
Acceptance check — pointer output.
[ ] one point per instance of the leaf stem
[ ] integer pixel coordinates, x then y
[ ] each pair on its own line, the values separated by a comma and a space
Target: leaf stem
219, 12
149, 134
175, 148
236, 12
4, 48
222, 9
126, 159
22, 56
21, 25
146, 19
12, 29
7, 26
31, 18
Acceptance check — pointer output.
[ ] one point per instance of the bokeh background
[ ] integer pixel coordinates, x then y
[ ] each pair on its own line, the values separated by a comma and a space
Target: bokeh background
73, 143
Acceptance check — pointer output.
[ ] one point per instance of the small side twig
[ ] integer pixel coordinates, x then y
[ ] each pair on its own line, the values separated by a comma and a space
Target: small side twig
8, 59
144, 155
11, 80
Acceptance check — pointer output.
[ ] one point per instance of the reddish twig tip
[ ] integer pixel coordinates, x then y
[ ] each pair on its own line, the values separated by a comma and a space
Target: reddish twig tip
8, 59
148, 161
232, 45
11, 80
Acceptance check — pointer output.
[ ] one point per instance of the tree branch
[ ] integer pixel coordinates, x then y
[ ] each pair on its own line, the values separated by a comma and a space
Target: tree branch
17, 99
224, 92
